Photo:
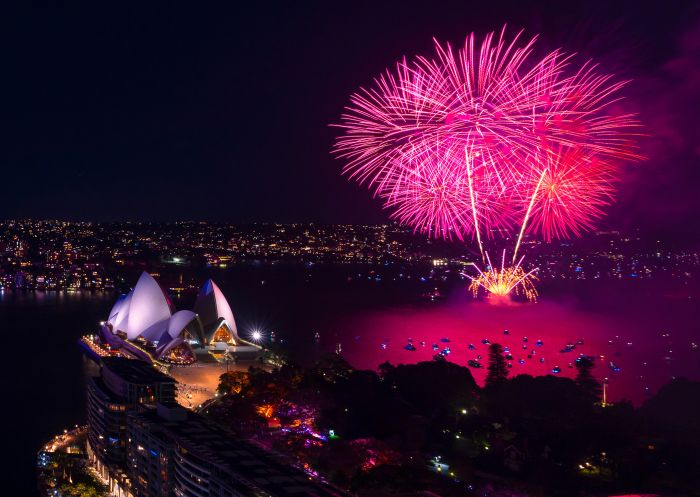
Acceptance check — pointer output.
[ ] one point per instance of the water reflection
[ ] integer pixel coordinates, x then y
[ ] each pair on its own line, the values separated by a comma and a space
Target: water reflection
639, 343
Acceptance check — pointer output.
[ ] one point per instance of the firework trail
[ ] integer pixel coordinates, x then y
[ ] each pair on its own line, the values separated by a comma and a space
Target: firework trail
504, 280
486, 138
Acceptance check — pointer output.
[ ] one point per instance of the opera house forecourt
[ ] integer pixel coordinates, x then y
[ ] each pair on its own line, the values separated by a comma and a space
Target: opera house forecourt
144, 324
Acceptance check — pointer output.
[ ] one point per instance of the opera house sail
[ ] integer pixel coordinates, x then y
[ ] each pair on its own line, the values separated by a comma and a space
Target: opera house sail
144, 324
216, 316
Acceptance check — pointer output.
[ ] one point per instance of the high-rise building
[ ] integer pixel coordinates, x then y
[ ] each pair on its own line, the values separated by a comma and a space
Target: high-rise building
179, 453
123, 386
150, 455
146, 445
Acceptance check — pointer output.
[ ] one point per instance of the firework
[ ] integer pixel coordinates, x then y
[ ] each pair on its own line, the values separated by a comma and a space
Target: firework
487, 138
495, 115
504, 281
569, 175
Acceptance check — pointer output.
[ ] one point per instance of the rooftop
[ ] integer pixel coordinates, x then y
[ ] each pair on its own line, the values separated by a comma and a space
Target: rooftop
241, 458
135, 371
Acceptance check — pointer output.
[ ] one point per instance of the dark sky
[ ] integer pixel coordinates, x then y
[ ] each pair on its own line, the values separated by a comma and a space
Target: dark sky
194, 112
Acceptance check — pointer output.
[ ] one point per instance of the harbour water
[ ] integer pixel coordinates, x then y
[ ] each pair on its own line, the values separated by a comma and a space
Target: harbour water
646, 329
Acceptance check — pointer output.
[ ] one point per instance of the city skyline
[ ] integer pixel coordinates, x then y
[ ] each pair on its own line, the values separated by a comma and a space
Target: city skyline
46, 255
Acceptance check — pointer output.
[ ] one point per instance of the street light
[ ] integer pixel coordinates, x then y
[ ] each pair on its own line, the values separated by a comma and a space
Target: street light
227, 358
605, 392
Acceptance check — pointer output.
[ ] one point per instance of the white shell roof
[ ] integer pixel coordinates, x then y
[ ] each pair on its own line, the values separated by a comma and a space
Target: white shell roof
163, 349
146, 312
212, 305
115, 309
149, 310
179, 322
120, 320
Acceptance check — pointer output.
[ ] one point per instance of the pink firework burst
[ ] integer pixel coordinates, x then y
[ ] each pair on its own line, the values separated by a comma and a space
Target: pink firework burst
486, 137
431, 199
435, 192
574, 189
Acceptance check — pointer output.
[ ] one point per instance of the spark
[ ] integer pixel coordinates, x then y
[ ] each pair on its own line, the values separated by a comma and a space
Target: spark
504, 281
527, 215
455, 144
489, 139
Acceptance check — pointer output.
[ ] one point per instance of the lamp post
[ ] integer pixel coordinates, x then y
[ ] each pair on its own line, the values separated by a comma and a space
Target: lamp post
605, 392
227, 358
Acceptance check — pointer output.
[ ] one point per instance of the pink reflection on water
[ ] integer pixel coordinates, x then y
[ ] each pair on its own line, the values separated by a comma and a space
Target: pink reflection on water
635, 345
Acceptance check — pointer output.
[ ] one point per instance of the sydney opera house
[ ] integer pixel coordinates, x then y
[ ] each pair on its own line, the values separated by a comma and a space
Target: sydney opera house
145, 325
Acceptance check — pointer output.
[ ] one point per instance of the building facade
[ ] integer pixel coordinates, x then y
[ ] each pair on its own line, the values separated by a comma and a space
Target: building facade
144, 444
123, 386
179, 453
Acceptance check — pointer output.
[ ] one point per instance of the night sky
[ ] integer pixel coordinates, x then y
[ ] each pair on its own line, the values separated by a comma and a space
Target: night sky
192, 112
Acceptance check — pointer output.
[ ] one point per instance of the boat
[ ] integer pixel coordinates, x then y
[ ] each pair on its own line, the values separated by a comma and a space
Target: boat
471, 346
436, 347
445, 340
556, 370
485, 341
473, 364
538, 343
614, 367
410, 347
506, 332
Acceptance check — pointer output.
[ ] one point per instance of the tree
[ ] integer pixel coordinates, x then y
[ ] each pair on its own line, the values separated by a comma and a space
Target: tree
82, 489
585, 379
497, 369
274, 355
432, 386
333, 367
386, 369
233, 382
